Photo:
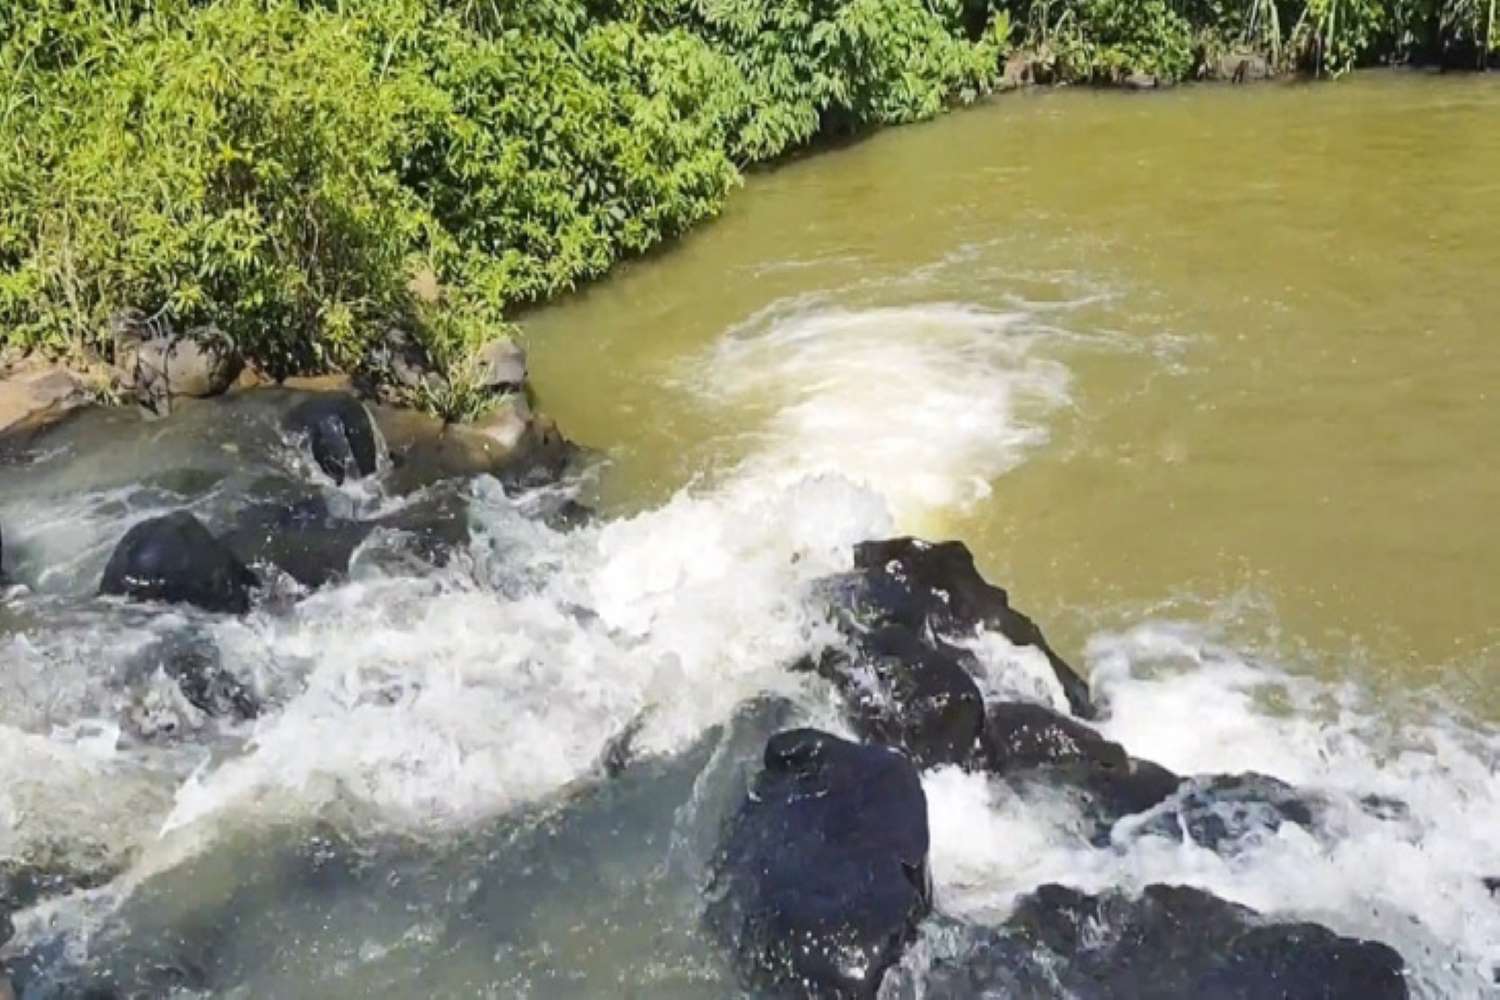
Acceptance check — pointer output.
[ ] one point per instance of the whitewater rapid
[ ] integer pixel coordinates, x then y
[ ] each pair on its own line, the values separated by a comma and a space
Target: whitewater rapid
422, 701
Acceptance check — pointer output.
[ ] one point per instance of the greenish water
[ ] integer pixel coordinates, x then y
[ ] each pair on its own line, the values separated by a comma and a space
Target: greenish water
1272, 310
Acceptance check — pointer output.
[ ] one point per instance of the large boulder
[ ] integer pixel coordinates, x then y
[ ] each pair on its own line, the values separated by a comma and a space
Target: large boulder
822, 876
161, 365
340, 434
500, 366
1169, 943
935, 589
176, 559
909, 693
1031, 745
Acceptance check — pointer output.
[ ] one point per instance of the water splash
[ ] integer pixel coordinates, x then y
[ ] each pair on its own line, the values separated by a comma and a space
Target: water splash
925, 405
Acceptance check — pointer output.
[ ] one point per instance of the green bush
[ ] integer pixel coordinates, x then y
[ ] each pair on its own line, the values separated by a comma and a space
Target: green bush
1106, 40
282, 169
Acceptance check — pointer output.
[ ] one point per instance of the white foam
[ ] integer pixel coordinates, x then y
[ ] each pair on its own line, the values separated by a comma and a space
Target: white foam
1178, 697
426, 702
437, 702
926, 405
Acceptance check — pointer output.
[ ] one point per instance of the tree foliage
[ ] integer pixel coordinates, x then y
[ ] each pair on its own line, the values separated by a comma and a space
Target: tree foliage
284, 168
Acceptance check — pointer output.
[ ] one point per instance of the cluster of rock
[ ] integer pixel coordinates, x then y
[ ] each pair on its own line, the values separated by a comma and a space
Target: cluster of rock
157, 366
295, 532
821, 880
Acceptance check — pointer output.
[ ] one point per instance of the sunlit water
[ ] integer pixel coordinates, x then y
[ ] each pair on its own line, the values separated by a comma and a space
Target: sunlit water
1204, 378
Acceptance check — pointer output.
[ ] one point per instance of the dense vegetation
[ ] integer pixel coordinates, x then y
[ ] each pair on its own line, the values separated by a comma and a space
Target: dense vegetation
307, 174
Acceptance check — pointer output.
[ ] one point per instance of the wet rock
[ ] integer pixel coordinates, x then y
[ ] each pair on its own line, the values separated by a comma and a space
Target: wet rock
339, 432
822, 876
522, 449
193, 662
1215, 811
1140, 81
161, 365
301, 537
500, 366
911, 694
35, 395
936, 588
1169, 943
304, 539
1019, 735
23, 884
177, 560
1032, 745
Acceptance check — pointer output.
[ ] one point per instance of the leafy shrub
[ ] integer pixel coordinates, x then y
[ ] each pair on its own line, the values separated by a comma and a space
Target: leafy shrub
1105, 40
283, 168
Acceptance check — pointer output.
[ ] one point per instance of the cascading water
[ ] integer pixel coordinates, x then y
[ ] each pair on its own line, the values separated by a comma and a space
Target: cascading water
503, 775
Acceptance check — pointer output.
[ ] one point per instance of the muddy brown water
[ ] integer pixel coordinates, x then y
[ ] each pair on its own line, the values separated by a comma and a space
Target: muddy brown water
1277, 308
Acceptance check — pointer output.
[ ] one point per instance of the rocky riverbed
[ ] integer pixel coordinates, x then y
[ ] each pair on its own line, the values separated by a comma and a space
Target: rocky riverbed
308, 697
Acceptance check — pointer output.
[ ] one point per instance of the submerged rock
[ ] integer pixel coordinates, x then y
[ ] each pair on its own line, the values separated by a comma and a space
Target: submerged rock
822, 877
908, 693
935, 589
307, 541
177, 560
193, 662
339, 432
1215, 811
1169, 943
300, 537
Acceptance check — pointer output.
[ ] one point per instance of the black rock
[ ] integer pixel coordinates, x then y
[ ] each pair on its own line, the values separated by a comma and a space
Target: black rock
822, 876
306, 540
300, 537
176, 559
1032, 745
908, 693
1169, 943
934, 588
340, 433
1020, 735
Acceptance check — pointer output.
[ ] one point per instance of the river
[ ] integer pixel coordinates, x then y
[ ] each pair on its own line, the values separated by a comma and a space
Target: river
1207, 379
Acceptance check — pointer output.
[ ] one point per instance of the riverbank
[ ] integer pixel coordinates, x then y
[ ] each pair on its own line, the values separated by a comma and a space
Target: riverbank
341, 190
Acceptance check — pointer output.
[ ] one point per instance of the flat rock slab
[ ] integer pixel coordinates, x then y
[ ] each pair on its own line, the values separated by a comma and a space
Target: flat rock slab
34, 396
